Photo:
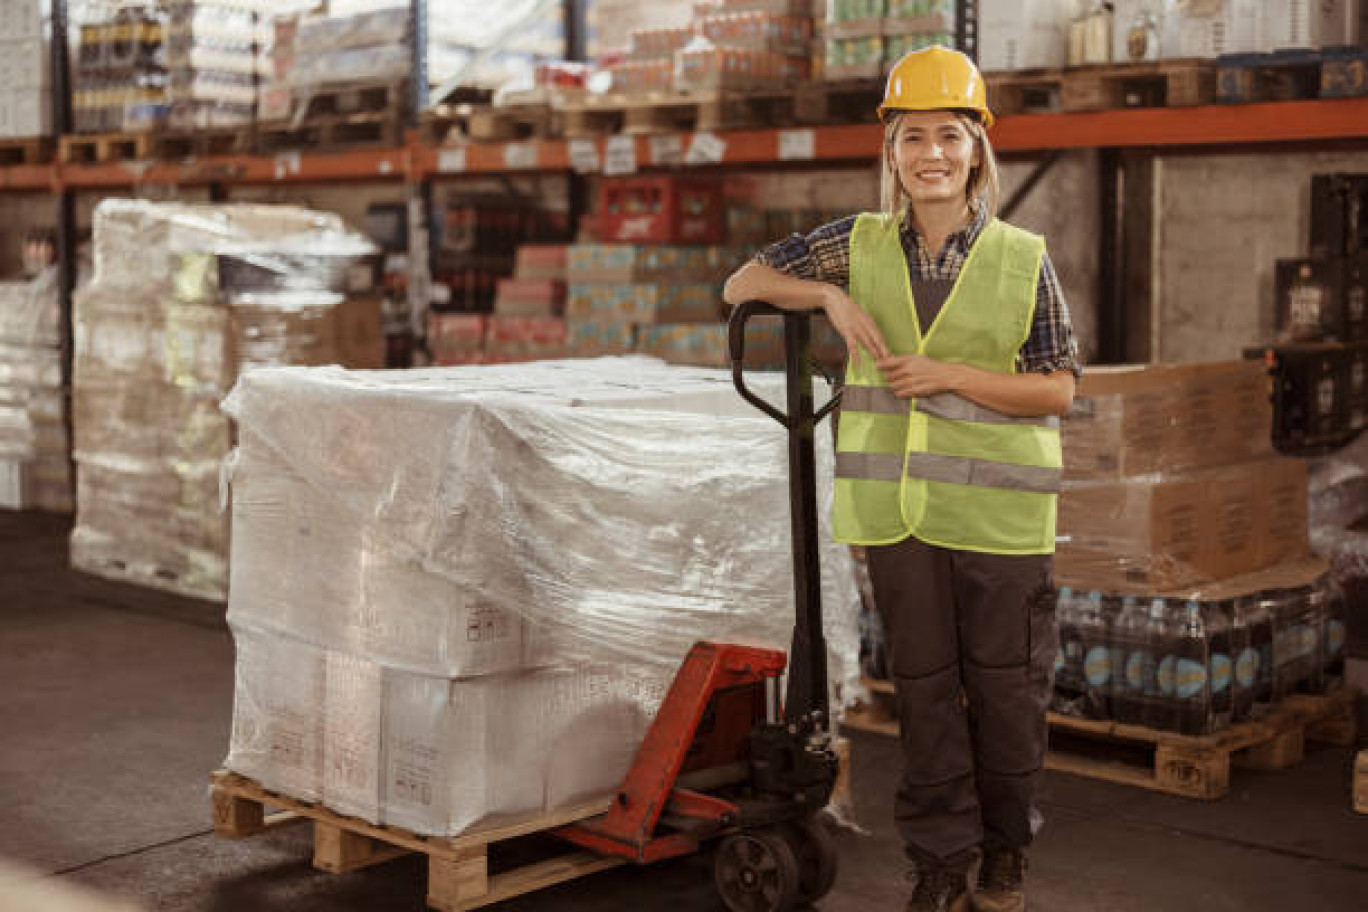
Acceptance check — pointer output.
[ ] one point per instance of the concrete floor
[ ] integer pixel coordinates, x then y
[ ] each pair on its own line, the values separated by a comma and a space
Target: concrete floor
116, 706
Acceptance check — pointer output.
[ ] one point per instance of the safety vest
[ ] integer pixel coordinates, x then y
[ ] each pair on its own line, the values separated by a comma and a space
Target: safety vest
942, 468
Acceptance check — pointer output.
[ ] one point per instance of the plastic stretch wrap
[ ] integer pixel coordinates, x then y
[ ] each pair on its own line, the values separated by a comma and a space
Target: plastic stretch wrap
475, 521
1339, 513
481, 581
33, 439
182, 299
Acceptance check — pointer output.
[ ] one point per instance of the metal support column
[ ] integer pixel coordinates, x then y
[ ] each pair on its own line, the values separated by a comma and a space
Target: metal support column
65, 214
967, 28
576, 49
1111, 317
419, 191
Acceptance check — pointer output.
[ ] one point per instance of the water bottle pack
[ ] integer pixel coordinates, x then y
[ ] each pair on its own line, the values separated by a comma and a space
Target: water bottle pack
1193, 666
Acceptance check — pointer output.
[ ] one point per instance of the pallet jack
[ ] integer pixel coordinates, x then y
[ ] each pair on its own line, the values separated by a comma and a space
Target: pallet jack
725, 758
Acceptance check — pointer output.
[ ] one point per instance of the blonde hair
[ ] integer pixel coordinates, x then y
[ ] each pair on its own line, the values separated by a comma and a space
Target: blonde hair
983, 189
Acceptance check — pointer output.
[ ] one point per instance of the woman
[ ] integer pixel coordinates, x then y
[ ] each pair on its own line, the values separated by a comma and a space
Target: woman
948, 461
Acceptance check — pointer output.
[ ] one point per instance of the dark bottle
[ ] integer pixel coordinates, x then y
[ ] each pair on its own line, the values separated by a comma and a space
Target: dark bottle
1332, 637
1097, 658
1165, 648
1245, 654
1219, 622
1131, 638
1190, 678
1261, 636
1067, 696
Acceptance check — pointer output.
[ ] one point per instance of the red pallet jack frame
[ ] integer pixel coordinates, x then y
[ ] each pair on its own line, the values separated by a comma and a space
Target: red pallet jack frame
757, 769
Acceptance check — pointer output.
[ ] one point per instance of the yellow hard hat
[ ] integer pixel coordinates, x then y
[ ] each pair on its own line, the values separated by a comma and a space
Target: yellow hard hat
936, 79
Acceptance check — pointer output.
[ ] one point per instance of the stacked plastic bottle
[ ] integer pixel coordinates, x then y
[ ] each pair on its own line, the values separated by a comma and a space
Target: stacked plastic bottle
1191, 666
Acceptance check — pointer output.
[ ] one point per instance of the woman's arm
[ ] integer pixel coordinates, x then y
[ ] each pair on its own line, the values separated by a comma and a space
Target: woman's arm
1019, 395
756, 281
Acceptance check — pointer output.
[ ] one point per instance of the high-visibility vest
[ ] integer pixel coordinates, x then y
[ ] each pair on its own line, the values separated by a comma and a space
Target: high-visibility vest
942, 468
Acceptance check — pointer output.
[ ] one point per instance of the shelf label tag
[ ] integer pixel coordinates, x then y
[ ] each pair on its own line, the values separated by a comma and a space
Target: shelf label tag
520, 155
286, 163
797, 144
705, 149
451, 160
619, 155
584, 157
667, 150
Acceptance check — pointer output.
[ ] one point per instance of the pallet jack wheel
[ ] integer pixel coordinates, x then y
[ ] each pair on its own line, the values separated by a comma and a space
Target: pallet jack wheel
757, 871
817, 858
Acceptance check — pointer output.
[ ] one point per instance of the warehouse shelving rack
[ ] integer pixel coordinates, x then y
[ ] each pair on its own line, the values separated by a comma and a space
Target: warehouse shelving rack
1117, 137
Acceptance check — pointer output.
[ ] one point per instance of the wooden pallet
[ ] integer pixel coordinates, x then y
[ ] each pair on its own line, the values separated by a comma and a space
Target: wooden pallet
377, 129
458, 868
1289, 75
838, 101
331, 102
1163, 83
205, 143
669, 111
106, 147
1193, 767
486, 123
25, 151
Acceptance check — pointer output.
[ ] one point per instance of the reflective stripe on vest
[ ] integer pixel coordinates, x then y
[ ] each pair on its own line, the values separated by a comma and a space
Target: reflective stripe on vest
943, 468
981, 473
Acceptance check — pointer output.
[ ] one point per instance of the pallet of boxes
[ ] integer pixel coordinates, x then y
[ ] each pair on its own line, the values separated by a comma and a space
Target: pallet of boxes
457, 606
35, 470
184, 299
654, 285
25, 89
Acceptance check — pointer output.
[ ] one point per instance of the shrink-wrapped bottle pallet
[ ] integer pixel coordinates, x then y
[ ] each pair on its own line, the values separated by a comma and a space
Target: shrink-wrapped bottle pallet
459, 595
34, 467
184, 298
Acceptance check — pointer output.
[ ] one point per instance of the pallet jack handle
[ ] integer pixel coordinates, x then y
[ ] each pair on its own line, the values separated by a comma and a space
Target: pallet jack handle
806, 698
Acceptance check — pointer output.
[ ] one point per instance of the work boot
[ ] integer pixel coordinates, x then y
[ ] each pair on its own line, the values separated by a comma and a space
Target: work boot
941, 886
1001, 882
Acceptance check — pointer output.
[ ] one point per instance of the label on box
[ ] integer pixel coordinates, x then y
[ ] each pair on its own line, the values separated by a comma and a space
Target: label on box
584, 157
666, 150
520, 155
705, 149
619, 155
451, 160
797, 144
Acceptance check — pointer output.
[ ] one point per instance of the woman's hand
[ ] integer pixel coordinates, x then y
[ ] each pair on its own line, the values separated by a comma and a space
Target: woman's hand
856, 326
913, 376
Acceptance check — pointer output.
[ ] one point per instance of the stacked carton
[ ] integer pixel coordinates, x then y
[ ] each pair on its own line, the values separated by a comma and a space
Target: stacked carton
212, 62
34, 466
25, 94
864, 37
184, 298
459, 595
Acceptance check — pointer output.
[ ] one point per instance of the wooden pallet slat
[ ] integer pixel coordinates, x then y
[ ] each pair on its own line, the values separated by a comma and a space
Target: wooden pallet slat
1164, 83
25, 151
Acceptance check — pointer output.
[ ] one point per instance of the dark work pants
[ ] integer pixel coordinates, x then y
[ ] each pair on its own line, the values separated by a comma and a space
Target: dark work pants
972, 640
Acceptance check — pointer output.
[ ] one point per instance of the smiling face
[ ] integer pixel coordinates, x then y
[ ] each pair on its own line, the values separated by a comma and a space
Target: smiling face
934, 153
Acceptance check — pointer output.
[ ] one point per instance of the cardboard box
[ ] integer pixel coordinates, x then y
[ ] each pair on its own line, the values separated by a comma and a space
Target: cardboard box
544, 262
1136, 420
647, 263
530, 298
360, 332
1182, 530
1293, 24
644, 304
1023, 36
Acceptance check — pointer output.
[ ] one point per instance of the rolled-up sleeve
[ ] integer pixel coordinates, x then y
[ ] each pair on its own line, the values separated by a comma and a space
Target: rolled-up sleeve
1051, 346
822, 255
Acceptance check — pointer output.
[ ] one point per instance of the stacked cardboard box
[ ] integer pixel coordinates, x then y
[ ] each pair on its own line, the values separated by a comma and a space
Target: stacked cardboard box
34, 464
458, 595
864, 37
1170, 480
212, 62
25, 93
184, 298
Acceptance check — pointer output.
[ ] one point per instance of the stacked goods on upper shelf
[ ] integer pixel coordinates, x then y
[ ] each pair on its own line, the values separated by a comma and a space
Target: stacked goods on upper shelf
612, 24
212, 62
119, 72
34, 467
527, 323
25, 94
1320, 356
865, 37
459, 595
728, 44
1189, 596
184, 299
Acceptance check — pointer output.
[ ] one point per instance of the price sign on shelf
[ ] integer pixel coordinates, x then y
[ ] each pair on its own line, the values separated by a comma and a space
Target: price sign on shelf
451, 161
797, 144
520, 155
584, 157
619, 155
667, 150
706, 149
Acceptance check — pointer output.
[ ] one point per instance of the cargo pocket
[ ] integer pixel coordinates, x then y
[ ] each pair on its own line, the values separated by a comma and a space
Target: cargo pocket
1043, 630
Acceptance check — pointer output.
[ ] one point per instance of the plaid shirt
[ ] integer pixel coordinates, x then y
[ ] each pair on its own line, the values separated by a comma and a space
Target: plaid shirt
824, 256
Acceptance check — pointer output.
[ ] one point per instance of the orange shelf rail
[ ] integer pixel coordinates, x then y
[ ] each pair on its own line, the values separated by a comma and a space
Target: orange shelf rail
1320, 120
